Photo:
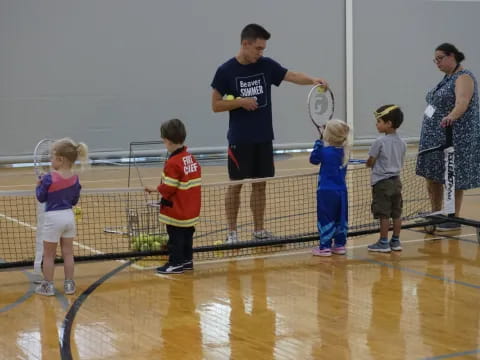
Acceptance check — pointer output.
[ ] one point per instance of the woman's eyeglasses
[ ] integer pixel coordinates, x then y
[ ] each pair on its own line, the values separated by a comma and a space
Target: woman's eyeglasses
439, 58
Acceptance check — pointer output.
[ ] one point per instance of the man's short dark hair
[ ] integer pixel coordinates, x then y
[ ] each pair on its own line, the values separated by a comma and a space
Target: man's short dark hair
173, 130
253, 32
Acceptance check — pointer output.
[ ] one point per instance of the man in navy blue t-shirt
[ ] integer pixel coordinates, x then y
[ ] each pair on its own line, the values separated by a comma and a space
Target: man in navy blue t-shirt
242, 86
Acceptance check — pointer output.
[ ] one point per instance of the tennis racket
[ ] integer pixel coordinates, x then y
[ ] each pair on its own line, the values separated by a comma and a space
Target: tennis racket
449, 175
41, 157
41, 164
321, 106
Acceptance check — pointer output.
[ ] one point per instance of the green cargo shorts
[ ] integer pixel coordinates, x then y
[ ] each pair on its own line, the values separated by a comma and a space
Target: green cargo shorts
387, 198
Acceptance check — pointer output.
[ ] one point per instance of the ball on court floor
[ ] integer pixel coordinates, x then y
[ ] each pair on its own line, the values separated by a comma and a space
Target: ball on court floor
229, 97
220, 252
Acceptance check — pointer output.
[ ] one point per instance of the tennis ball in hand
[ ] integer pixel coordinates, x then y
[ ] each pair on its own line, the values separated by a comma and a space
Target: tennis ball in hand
229, 97
321, 89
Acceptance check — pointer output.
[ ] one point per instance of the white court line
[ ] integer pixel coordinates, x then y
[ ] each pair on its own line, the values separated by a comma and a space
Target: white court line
76, 243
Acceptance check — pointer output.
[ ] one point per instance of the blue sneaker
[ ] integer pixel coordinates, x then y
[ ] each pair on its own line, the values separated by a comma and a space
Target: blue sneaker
380, 247
395, 245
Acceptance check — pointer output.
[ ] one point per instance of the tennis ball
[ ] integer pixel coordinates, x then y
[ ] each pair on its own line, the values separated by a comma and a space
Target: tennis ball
321, 89
163, 239
136, 243
77, 210
220, 252
156, 245
229, 97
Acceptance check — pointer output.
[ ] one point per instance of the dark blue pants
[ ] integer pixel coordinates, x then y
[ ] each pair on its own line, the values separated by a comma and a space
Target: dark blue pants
332, 217
180, 244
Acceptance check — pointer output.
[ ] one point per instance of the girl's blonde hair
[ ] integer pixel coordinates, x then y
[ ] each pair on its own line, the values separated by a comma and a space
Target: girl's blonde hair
71, 151
336, 134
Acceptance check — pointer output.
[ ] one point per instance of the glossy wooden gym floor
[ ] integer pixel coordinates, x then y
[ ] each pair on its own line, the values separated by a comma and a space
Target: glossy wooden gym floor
421, 303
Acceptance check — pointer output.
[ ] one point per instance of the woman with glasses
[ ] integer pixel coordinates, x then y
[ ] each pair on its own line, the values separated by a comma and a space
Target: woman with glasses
452, 102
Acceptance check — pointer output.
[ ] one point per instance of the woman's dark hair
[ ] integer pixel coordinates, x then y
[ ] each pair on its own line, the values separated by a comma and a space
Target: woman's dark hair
448, 49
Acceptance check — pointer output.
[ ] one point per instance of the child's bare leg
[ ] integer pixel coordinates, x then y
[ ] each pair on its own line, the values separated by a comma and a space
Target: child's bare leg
49, 252
67, 254
397, 226
384, 226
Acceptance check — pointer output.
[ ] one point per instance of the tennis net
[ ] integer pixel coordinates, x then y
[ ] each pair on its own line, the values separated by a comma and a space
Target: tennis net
120, 223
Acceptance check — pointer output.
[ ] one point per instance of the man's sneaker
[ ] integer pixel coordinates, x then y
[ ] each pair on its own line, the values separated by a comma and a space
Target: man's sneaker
45, 288
170, 269
231, 237
449, 226
395, 245
316, 251
339, 250
262, 235
69, 287
380, 247
188, 265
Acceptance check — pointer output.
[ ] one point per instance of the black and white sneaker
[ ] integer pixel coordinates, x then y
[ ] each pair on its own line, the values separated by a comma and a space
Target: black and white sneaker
170, 269
188, 265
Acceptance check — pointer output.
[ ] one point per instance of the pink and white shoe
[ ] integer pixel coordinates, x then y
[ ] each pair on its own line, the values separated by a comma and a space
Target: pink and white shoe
321, 252
339, 250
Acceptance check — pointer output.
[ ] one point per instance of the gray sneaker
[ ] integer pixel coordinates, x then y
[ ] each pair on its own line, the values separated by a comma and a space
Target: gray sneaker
380, 247
395, 245
231, 237
262, 235
69, 287
46, 288
449, 226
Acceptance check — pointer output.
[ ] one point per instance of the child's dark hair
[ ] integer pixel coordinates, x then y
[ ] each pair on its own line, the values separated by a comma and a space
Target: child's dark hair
253, 32
391, 113
173, 130
448, 49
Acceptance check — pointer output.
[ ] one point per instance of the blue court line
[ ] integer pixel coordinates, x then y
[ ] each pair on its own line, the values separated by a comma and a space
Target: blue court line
66, 329
453, 355
419, 273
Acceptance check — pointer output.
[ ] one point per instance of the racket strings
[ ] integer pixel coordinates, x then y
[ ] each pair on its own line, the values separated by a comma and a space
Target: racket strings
320, 105
41, 156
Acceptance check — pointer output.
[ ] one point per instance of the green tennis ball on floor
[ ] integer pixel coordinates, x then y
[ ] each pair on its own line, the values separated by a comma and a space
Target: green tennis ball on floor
156, 245
136, 243
140, 242
163, 239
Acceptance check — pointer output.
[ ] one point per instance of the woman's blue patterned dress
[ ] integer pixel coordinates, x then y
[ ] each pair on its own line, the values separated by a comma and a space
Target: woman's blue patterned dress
466, 136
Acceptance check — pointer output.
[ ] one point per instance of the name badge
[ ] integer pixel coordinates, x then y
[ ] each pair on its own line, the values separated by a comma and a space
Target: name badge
429, 111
